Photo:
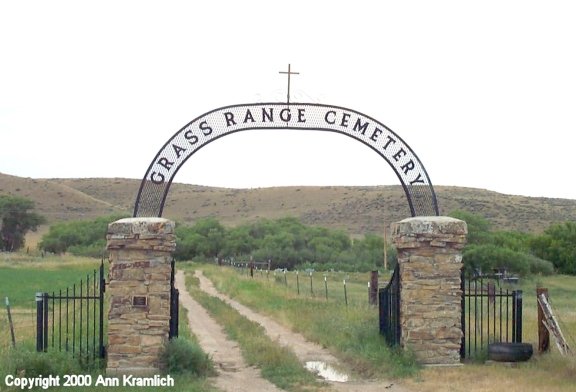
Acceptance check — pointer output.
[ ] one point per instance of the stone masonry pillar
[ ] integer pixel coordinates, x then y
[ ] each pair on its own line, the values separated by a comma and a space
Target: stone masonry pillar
139, 291
430, 260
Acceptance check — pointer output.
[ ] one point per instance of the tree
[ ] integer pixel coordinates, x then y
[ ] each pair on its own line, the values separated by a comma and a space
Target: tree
239, 242
16, 220
558, 244
478, 227
82, 238
486, 249
486, 258
206, 239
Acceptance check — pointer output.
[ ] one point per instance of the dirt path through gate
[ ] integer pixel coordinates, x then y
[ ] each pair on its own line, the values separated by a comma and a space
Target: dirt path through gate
305, 350
233, 373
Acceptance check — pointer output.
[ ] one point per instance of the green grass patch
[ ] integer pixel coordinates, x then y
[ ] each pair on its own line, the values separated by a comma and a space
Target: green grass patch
182, 356
349, 331
21, 278
320, 285
278, 364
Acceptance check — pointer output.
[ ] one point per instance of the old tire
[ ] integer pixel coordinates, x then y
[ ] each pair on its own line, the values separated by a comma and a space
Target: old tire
510, 352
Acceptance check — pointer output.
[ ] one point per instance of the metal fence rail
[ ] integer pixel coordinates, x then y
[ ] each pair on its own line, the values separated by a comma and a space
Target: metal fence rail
489, 314
389, 309
72, 320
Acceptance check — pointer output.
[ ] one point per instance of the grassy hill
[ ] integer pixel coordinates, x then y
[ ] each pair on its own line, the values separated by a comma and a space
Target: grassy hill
358, 210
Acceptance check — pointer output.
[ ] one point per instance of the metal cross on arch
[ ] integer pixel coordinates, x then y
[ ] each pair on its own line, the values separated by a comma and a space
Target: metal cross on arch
289, 73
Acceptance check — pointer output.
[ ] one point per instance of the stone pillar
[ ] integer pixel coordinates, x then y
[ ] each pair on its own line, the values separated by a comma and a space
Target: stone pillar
430, 260
139, 291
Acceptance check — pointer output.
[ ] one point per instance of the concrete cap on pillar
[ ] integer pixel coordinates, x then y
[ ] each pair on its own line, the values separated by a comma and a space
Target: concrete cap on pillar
430, 225
155, 226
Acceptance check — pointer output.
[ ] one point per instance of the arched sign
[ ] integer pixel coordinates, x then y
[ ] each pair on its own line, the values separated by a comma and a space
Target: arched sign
226, 120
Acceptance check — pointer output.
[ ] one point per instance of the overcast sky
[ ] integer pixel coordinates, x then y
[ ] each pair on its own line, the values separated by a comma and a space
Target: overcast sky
484, 92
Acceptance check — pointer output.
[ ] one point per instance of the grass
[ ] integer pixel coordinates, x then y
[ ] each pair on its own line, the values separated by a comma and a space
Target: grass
562, 296
20, 277
349, 331
322, 285
278, 364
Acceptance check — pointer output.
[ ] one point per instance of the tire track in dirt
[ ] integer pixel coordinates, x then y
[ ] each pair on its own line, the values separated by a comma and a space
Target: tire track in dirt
234, 375
305, 350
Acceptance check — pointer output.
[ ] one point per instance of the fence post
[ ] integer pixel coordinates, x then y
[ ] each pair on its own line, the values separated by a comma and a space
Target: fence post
174, 302
517, 316
297, 283
373, 288
45, 306
463, 313
326, 286
345, 293
102, 350
11, 323
384, 312
39, 322
369, 299
543, 333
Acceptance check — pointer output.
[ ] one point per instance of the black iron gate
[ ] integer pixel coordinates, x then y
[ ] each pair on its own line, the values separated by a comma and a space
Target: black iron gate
174, 303
389, 309
490, 314
72, 320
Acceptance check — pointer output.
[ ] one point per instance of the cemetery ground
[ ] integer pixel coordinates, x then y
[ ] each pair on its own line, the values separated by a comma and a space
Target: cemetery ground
349, 332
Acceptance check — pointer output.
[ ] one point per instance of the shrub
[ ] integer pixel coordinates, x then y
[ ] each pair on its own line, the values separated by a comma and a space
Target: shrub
540, 266
489, 257
181, 356
96, 249
28, 363
558, 244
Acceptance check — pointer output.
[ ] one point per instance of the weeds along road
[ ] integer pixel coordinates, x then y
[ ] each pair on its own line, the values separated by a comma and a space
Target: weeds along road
218, 345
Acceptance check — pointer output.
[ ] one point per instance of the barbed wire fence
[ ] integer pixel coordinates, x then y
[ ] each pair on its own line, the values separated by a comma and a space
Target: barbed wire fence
333, 286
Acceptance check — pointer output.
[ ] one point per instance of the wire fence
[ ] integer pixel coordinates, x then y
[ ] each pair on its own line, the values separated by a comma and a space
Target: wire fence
17, 324
344, 288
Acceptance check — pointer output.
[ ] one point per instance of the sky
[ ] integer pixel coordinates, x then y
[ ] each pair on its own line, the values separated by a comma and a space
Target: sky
484, 92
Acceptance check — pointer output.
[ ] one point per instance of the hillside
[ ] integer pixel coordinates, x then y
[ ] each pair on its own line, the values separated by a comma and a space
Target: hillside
357, 210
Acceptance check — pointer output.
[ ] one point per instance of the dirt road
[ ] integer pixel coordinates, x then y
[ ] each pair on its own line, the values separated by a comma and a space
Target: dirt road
233, 373
306, 351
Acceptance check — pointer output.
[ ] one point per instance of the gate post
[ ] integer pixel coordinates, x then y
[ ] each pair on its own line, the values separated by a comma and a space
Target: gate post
430, 260
139, 288
41, 321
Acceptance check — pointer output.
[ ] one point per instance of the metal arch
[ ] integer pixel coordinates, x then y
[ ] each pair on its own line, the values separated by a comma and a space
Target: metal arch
298, 116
